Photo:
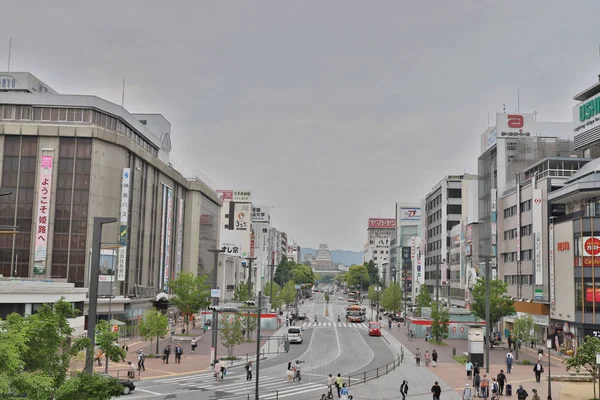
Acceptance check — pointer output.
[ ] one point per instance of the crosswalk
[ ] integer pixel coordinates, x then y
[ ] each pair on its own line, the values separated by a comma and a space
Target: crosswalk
337, 324
235, 385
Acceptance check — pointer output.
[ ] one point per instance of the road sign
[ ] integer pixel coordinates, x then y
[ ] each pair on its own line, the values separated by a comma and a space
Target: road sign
215, 292
297, 287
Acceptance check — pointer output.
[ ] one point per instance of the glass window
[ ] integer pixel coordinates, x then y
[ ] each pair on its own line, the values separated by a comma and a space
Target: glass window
102, 120
77, 114
62, 114
37, 114
26, 113
87, 115
8, 112
55, 114
71, 115
46, 114
17, 115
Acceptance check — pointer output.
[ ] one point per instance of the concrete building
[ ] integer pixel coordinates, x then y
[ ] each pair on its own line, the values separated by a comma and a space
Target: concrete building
443, 211
69, 158
263, 247
516, 142
293, 252
379, 235
402, 246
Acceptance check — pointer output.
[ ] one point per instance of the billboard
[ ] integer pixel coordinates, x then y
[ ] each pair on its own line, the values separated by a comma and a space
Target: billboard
163, 219
242, 217
261, 214
123, 220
225, 195
235, 243
536, 208
382, 223
180, 211
488, 139
551, 261
469, 233
410, 214
237, 196
43, 212
586, 115
514, 125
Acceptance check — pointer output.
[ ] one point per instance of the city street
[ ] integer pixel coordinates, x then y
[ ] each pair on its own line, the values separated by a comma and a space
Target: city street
328, 347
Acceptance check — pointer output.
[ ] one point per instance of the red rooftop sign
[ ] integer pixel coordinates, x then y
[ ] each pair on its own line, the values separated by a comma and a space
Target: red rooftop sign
375, 223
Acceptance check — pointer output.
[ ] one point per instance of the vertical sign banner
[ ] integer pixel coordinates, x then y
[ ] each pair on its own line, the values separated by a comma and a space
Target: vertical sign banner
179, 235
168, 230
536, 207
123, 219
163, 220
243, 215
494, 210
518, 193
43, 213
551, 260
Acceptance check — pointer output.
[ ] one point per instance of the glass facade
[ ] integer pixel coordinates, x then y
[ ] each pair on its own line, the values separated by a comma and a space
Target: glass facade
209, 235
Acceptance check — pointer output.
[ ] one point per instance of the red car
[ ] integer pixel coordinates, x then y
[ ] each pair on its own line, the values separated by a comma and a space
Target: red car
374, 329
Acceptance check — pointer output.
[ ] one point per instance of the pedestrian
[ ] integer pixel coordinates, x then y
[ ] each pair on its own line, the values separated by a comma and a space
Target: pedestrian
510, 342
509, 362
330, 381
141, 359
426, 358
290, 373
476, 369
536, 396
476, 383
338, 384
538, 370
434, 357
484, 387
522, 393
217, 370
178, 353
248, 368
194, 344
297, 371
131, 370
418, 357
467, 394
494, 387
223, 369
501, 378
404, 389
389, 323
469, 369
540, 355
436, 390
344, 392
398, 325
166, 354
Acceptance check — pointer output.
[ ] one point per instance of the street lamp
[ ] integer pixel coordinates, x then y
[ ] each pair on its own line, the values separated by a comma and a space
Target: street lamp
549, 347
215, 321
393, 272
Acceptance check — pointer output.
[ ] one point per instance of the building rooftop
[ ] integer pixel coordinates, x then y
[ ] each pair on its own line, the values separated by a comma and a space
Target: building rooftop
589, 92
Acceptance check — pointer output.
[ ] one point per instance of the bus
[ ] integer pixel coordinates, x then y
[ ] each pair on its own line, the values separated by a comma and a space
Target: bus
354, 297
355, 313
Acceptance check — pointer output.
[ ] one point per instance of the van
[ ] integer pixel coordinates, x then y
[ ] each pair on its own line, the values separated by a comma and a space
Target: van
295, 335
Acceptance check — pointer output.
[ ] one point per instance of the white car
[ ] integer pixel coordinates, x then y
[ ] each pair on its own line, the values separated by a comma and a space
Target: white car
295, 335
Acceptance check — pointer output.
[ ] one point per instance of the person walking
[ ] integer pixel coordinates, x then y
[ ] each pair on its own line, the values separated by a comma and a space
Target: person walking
434, 357
141, 359
194, 344
338, 384
469, 369
330, 381
476, 383
290, 373
467, 393
217, 370
536, 396
426, 358
418, 357
404, 389
178, 353
485, 387
509, 362
538, 370
522, 393
501, 378
166, 354
248, 369
436, 390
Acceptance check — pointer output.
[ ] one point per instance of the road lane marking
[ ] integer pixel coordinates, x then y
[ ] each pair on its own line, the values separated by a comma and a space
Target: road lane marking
171, 374
148, 391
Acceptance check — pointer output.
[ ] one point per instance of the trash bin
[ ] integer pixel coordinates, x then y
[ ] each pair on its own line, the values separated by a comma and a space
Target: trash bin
508, 391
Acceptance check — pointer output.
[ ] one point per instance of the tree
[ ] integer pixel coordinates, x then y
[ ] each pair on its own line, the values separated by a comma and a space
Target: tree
373, 272
191, 293
288, 294
154, 325
439, 322
105, 340
276, 298
523, 329
35, 355
358, 276
231, 332
372, 294
423, 299
283, 273
249, 322
302, 274
241, 292
585, 357
340, 278
500, 304
391, 299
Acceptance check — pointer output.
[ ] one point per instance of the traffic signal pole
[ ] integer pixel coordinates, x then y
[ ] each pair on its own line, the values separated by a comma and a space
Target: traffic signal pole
215, 320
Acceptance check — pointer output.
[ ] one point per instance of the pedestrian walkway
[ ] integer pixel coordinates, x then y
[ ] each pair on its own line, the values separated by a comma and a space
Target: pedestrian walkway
235, 384
336, 324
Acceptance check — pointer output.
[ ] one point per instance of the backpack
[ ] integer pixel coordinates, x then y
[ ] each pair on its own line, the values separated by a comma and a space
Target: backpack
494, 387
485, 383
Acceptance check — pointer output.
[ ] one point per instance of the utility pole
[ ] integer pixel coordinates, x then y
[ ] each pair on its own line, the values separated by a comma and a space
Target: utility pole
258, 346
384, 273
437, 283
272, 266
488, 325
215, 321
250, 262
405, 295
393, 272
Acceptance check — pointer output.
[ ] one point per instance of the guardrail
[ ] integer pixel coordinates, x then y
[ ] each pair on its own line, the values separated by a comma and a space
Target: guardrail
362, 377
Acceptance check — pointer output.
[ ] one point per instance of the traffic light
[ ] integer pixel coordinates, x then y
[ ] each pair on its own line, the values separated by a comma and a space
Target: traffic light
223, 309
250, 303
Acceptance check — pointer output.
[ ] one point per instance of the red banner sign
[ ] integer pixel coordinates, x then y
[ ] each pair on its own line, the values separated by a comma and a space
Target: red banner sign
587, 261
382, 223
589, 294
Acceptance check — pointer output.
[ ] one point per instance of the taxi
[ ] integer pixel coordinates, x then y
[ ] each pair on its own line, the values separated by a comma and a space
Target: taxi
374, 329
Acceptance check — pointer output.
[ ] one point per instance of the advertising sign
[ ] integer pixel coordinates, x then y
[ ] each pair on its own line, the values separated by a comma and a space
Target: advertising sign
406, 254
225, 195
163, 219
124, 218
551, 260
168, 231
469, 234
536, 208
514, 125
382, 223
242, 196
586, 115
180, 211
236, 243
410, 214
242, 217
43, 212
261, 214
488, 139
518, 193
122, 263
592, 294
590, 251
232, 249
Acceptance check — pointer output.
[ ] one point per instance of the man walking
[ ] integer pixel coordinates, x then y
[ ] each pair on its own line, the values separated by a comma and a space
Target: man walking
141, 359
418, 357
338, 384
178, 353
501, 378
509, 362
248, 368
404, 389
436, 390
538, 370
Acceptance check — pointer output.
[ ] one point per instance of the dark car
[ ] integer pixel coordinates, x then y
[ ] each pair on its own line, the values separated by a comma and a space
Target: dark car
127, 383
302, 316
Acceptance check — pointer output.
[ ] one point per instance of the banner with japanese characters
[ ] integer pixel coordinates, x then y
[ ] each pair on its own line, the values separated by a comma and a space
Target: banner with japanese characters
123, 220
243, 215
43, 213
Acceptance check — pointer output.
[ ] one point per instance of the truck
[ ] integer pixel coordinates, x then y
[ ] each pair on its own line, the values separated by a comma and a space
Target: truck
355, 313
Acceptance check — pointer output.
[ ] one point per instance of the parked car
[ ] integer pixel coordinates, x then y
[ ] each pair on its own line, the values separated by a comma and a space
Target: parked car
127, 383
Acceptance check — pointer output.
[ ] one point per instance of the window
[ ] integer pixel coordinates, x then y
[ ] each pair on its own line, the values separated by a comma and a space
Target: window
509, 257
510, 212
526, 255
454, 193
526, 206
454, 209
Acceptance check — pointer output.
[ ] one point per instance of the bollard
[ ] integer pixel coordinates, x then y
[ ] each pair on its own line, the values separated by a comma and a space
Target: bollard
454, 351
277, 395
365, 377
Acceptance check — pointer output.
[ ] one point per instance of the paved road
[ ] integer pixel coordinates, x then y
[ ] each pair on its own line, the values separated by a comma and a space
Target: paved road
328, 347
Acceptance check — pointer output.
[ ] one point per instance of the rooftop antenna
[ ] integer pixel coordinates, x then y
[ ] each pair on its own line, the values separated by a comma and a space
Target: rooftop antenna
123, 95
488, 119
518, 102
9, 51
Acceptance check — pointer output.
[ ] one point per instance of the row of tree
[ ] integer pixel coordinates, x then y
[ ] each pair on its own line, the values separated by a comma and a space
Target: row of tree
360, 276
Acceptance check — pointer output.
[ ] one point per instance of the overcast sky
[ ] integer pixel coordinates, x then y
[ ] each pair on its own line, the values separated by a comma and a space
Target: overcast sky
331, 111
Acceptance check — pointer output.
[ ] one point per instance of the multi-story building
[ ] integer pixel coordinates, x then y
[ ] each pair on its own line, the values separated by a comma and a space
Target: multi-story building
262, 245
516, 142
69, 158
443, 211
402, 245
322, 261
293, 252
379, 234
471, 260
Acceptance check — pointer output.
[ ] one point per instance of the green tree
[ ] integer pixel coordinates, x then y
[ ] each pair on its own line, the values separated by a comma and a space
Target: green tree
358, 276
105, 340
276, 299
439, 322
191, 293
302, 274
373, 272
283, 273
372, 294
231, 332
241, 292
249, 323
288, 294
423, 299
500, 304
391, 299
523, 329
585, 357
340, 278
154, 325
35, 355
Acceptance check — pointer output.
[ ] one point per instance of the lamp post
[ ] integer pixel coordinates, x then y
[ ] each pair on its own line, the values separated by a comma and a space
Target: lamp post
250, 262
215, 322
378, 289
393, 272
549, 347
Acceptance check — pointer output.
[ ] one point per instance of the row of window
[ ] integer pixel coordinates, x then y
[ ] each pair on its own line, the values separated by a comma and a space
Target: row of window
74, 115
512, 211
434, 217
518, 279
433, 203
526, 255
526, 230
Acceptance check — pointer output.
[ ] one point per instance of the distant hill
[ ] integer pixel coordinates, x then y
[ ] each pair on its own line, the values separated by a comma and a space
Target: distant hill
345, 257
